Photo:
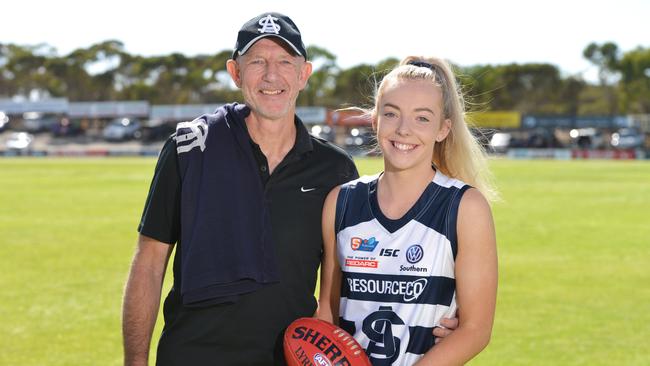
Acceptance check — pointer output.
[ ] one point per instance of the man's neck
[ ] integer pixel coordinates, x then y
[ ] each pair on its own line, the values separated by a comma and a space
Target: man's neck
274, 137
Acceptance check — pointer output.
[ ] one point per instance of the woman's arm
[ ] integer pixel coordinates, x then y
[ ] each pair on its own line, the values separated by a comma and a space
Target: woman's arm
330, 272
476, 284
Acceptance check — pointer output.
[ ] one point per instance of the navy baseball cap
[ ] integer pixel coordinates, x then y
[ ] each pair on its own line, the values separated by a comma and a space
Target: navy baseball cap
269, 25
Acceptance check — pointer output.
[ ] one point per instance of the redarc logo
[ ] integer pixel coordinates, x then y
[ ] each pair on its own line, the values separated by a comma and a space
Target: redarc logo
364, 245
361, 263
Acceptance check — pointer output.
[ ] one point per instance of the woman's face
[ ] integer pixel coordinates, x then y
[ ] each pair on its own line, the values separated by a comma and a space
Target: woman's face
409, 121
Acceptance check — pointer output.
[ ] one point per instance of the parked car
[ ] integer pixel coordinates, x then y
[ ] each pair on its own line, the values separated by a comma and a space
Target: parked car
587, 138
500, 142
627, 138
65, 128
157, 130
540, 138
324, 132
4, 121
35, 122
359, 140
19, 141
121, 129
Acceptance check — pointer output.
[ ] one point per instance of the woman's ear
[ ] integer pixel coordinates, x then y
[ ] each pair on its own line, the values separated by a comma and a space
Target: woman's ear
373, 119
445, 127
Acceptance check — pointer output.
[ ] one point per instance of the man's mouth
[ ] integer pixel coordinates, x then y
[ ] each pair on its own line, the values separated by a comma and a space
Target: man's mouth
271, 92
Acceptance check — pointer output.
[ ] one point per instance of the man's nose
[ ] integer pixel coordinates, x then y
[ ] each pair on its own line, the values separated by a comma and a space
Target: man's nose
270, 71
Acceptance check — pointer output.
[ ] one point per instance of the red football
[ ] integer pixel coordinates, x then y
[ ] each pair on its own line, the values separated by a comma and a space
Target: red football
311, 341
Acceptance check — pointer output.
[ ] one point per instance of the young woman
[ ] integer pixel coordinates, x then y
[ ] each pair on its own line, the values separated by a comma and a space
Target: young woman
415, 243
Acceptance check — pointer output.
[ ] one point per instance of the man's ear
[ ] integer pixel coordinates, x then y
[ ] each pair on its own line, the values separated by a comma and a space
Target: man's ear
444, 130
233, 69
305, 73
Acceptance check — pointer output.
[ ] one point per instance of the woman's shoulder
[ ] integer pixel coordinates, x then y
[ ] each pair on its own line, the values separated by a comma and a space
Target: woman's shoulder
474, 205
361, 181
446, 181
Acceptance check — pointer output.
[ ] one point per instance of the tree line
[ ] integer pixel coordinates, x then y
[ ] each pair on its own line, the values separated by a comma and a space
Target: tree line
105, 71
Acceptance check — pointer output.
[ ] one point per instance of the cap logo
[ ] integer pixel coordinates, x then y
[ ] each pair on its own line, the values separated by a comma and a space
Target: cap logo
268, 25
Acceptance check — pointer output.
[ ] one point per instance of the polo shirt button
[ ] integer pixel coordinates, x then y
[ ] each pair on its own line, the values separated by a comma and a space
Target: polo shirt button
263, 168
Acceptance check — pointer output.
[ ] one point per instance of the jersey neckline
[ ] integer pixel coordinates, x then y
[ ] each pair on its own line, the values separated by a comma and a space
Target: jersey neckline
419, 207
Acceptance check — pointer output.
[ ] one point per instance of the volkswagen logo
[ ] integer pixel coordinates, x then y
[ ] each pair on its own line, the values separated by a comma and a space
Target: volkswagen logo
414, 253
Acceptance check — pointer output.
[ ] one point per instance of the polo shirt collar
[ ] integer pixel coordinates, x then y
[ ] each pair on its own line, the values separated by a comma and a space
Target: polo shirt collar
303, 142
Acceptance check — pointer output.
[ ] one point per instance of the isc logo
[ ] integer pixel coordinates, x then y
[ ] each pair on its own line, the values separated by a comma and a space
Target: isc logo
387, 252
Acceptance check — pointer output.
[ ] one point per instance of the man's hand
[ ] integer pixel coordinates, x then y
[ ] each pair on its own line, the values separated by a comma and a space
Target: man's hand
448, 325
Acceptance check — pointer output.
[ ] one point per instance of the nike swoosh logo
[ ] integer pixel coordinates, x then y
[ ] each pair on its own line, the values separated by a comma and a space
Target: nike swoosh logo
303, 189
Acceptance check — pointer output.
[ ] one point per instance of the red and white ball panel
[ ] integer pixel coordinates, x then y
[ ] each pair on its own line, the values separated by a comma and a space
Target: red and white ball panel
315, 342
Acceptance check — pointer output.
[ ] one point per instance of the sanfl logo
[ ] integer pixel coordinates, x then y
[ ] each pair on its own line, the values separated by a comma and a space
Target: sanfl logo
268, 25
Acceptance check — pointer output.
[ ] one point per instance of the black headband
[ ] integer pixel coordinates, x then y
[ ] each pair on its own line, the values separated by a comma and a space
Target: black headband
439, 74
422, 64
439, 78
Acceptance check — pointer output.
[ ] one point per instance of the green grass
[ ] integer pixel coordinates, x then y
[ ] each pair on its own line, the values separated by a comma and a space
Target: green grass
574, 252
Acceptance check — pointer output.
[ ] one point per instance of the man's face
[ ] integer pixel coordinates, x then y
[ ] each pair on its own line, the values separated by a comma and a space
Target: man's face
270, 78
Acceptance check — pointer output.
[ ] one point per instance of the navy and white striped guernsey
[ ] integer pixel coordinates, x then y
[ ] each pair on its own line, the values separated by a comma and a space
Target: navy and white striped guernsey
398, 275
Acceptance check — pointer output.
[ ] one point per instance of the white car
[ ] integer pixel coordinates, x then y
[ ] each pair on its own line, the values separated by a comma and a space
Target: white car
19, 141
587, 138
4, 120
627, 138
500, 142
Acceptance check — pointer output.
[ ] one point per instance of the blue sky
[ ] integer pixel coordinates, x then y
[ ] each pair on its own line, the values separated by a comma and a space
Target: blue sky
465, 32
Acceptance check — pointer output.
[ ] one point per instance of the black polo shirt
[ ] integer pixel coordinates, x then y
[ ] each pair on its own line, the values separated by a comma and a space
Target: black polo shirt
249, 332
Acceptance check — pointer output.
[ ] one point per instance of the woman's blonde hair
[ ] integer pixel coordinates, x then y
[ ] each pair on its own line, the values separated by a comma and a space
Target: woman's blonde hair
459, 155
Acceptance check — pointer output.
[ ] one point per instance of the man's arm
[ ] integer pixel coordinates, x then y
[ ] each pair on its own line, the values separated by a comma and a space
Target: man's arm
142, 298
448, 325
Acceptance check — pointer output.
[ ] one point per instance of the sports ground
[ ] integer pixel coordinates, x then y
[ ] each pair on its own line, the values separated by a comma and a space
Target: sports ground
573, 239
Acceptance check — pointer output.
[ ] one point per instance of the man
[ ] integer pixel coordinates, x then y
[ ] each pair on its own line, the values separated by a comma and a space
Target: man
241, 193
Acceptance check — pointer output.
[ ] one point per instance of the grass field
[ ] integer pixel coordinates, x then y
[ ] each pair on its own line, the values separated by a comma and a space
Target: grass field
574, 252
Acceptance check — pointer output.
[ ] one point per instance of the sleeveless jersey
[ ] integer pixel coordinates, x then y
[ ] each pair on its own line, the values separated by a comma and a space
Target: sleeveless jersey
397, 275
